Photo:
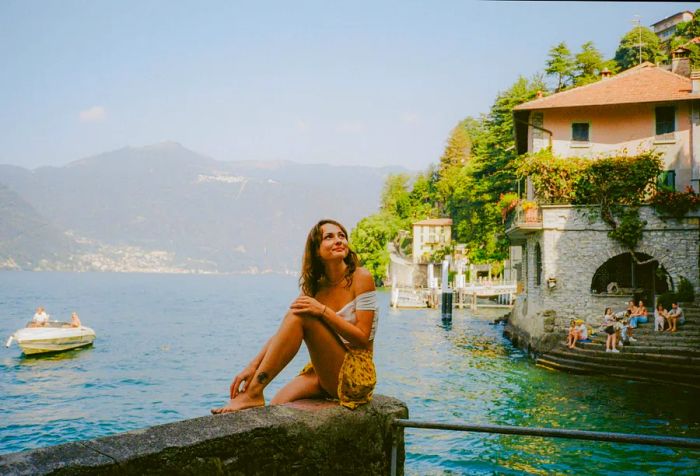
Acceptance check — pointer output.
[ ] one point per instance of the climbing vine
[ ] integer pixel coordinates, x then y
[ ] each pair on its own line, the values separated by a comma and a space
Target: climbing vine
619, 185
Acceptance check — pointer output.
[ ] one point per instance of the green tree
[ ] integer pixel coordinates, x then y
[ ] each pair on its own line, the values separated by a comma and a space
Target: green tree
589, 63
628, 52
477, 186
458, 148
689, 29
685, 32
560, 65
395, 196
369, 239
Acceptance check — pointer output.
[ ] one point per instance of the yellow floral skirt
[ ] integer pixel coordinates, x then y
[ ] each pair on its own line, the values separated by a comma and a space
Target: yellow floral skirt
356, 379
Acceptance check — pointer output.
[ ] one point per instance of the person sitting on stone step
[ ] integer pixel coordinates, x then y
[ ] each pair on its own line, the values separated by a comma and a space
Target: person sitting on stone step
571, 337
638, 317
660, 316
675, 317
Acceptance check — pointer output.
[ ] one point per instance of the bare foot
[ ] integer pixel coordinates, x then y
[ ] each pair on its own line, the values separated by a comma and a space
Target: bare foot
241, 402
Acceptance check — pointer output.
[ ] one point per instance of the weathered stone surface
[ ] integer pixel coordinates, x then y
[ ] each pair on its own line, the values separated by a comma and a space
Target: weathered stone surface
574, 243
307, 437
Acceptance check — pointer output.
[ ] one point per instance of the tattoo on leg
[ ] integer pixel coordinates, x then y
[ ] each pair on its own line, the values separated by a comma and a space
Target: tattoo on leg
263, 378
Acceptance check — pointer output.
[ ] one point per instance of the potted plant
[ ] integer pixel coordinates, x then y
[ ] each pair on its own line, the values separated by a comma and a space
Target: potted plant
507, 203
530, 209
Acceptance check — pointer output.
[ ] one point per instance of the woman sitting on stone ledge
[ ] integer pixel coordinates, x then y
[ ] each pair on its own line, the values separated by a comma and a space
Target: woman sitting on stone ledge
335, 315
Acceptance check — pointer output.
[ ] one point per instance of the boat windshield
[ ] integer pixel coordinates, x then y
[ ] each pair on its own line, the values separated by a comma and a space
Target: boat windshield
56, 324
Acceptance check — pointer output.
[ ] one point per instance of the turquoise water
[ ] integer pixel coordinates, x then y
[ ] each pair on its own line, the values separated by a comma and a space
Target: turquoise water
168, 345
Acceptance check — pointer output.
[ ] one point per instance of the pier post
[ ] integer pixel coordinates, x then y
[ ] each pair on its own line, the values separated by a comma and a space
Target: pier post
446, 293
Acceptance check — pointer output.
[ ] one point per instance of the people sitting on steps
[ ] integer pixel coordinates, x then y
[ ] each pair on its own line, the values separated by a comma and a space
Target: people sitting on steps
675, 316
660, 316
639, 316
580, 333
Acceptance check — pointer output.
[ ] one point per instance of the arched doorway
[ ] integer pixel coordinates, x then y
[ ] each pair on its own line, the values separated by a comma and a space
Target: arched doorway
630, 277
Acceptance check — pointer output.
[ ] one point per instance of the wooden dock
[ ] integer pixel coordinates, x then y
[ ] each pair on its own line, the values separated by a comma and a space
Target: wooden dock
416, 298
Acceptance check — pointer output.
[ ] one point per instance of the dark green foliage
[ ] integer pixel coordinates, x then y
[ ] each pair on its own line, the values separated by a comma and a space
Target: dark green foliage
588, 64
560, 65
666, 299
628, 229
685, 293
627, 54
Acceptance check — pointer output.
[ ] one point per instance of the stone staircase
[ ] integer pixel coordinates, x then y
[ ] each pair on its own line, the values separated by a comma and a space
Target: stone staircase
664, 357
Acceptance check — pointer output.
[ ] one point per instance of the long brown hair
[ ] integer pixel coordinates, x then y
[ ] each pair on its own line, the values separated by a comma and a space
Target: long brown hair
312, 270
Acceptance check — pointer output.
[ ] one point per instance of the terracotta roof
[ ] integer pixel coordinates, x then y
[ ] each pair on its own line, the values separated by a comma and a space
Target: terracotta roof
434, 221
643, 83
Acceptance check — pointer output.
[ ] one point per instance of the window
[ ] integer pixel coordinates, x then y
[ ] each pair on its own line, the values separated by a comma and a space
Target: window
665, 120
580, 132
667, 180
537, 120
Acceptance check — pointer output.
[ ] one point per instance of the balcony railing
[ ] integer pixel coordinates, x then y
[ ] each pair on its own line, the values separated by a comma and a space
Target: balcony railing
523, 220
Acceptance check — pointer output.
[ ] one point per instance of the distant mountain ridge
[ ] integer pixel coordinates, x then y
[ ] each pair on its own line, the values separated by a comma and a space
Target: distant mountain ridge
166, 208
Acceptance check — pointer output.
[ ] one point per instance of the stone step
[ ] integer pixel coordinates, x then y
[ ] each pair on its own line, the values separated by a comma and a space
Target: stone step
614, 370
661, 338
684, 335
647, 349
634, 362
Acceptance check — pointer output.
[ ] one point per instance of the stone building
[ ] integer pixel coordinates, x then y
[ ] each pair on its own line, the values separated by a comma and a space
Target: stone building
571, 268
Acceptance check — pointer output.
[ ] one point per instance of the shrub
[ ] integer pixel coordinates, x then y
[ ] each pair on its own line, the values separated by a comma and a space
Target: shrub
666, 299
685, 293
675, 204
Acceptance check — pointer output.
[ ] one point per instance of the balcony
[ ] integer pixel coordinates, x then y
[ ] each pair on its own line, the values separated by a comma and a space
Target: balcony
523, 221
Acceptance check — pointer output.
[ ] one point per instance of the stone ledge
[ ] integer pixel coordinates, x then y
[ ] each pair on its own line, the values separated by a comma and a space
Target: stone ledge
306, 437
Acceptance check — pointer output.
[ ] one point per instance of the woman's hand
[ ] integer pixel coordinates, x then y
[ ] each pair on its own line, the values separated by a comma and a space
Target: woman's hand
242, 378
308, 305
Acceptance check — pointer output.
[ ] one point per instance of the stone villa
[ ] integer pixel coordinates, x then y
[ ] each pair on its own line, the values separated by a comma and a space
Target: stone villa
571, 268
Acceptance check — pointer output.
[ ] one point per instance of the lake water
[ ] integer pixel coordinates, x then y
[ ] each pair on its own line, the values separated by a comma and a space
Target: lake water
168, 345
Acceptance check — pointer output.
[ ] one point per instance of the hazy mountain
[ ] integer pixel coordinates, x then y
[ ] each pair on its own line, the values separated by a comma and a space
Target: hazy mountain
27, 239
186, 211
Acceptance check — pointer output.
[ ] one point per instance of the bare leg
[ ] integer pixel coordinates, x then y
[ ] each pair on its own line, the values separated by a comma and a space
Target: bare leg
300, 387
326, 351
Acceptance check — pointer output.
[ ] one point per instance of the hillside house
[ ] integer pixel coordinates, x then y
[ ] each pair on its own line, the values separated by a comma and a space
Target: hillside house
430, 235
571, 268
665, 28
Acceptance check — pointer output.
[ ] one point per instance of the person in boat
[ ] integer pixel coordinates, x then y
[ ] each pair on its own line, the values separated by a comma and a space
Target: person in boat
335, 315
40, 318
74, 320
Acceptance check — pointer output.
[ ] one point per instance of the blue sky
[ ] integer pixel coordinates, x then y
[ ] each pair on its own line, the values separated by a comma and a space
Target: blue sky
370, 83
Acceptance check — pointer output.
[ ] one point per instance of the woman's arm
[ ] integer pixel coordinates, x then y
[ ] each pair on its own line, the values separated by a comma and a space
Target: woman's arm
356, 334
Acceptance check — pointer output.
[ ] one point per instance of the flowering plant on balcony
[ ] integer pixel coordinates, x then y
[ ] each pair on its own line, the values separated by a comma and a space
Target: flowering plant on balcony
675, 204
507, 203
528, 205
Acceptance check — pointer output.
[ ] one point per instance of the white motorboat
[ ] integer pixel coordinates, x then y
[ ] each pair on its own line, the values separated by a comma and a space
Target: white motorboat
54, 336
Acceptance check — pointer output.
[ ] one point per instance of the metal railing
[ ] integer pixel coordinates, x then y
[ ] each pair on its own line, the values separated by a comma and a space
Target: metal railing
672, 441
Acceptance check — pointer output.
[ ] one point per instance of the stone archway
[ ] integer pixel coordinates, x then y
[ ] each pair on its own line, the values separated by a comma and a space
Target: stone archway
627, 276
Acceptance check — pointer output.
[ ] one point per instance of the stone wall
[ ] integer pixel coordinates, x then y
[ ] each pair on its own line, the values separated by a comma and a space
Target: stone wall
574, 243
306, 437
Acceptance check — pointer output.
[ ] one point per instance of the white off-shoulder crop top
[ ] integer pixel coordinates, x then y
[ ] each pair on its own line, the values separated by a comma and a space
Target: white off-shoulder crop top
364, 302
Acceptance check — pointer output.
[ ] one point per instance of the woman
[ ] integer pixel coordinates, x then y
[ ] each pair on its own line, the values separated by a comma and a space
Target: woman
75, 320
335, 315
573, 334
608, 326
660, 316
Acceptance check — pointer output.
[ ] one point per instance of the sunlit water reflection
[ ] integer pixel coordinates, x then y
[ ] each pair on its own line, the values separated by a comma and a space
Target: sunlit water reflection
167, 346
